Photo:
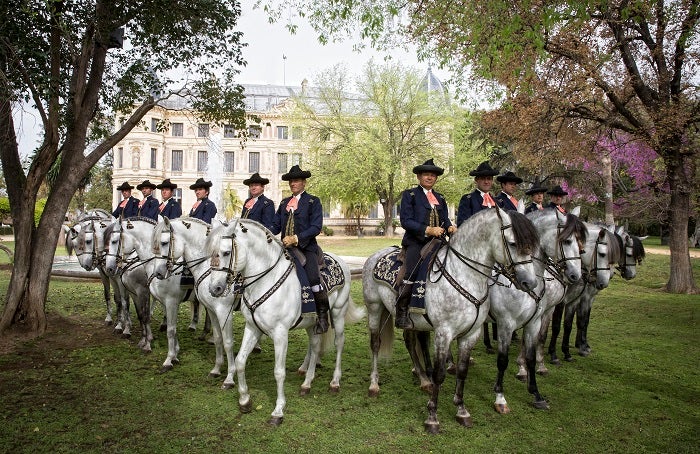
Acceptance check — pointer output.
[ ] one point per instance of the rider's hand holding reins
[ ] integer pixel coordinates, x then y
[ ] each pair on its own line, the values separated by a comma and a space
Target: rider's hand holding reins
451, 229
434, 231
290, 240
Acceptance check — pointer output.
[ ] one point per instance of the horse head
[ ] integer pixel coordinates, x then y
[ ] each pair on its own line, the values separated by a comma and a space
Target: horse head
600, 252
631, 253
238, 250
562, 238
177, 243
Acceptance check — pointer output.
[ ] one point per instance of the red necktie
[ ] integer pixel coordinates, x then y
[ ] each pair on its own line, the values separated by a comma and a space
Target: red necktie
196, 204
249, 204
123, 204
432, 199
561, 210
514, 201
162, 206
488, 200
292, 204
142, 202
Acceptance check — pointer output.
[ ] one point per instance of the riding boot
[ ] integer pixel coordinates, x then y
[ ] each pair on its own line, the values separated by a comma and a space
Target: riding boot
322, 308
402, 320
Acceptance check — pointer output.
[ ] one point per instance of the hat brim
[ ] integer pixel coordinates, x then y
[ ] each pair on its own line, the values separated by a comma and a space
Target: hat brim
483, 173
557, 193
428, 169
166, 186
141, 186
124, 188
205, 185
296, 176
503, 179
262, 181
536, 191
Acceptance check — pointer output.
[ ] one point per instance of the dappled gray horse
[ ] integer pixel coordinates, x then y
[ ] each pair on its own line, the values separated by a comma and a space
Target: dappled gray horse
456, 292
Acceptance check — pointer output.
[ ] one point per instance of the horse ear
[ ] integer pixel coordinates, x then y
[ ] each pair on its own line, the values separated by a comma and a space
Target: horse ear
642, 238
65, 229
521, 206
576, 211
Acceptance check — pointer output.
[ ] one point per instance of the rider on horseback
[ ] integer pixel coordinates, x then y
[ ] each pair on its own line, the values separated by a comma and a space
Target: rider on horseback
300, 219
424, 217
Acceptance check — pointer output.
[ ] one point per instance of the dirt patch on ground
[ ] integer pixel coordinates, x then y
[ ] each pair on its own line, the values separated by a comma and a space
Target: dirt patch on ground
66, 333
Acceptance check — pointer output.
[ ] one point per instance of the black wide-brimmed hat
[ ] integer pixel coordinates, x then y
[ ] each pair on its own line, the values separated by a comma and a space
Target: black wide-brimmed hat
145, 184
200, 183
557, 190
536, 189
428, 166
484, 170
509, 177
256, 178
125, 187
166, 184
295, 173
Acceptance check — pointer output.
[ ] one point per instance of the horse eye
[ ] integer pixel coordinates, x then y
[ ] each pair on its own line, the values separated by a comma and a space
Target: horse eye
163, 243
226, 253
511, 243
602, 254
567, 242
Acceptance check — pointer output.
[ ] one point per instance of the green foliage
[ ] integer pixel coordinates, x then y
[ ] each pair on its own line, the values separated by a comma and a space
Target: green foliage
327, 230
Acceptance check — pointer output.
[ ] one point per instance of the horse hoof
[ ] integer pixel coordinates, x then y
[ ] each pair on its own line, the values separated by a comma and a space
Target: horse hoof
117, 331
584, 353
464, 421
108, 322
275, 421
175, 361
247, 407
334, 389
541, 405
543, 372
191, 328
303, 391
569, 359
214, 375
257, 350
502, 409
556, 361
202, 337
433, 428
226, 386
165, 369
522, 378
373, 393
452, 369
126, 335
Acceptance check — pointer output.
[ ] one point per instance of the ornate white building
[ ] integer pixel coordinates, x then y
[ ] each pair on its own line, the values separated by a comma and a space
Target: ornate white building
172, 143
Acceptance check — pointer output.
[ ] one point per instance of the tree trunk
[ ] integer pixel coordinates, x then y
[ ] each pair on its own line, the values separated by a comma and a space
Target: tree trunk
388, 219
680, 171
607, 178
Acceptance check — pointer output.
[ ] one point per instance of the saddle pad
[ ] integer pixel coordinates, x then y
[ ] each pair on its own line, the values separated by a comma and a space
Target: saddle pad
331, 275
387, 267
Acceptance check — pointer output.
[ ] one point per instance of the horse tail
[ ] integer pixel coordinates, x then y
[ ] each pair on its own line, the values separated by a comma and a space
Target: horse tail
386, 337
354, 313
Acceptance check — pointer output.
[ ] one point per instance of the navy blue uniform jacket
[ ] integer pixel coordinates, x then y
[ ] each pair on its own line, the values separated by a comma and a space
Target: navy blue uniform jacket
308, 220
504, 202
205, 211
415, 215
150, 208
554, 205
172, 209
263, 211
469, 205
130, 210
530, 208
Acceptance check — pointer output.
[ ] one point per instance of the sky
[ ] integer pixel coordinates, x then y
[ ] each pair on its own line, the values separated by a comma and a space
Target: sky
267, 45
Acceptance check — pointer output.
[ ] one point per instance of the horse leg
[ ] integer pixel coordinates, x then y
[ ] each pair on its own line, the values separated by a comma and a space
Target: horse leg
144, 312
487, 340
119, 303
222, 323
414, 341
195, 315
338, 318
583, 317
314, 348
556, 328
280, 340
126, 315
501, 405
207, 326
171, 309
530, 337
381, 329
245, 404
105, 291
464, 345
432, 425
541, 340
570, 312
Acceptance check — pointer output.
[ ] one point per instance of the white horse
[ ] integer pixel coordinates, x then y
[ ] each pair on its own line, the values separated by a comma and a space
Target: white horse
137, 235
181, 243
600, 253
456, 292
631, 255
245, 251
75, 243
130, 270
90, 249
557, 263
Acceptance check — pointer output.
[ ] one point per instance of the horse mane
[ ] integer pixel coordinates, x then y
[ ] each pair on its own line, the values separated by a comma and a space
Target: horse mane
214, 239
614, 250
142, 218
94, 215
68, 242
574, 226
108, 232
527, 241
638, 252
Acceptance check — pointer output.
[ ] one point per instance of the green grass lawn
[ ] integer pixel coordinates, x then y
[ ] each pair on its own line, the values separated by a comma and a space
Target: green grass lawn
85, 390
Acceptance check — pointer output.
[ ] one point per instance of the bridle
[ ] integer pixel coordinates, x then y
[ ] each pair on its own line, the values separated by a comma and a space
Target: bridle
628, 246
173, 267
121, 257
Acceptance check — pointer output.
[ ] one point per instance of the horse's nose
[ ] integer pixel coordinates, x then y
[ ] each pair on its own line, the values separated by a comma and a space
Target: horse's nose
216, 290
574, 277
